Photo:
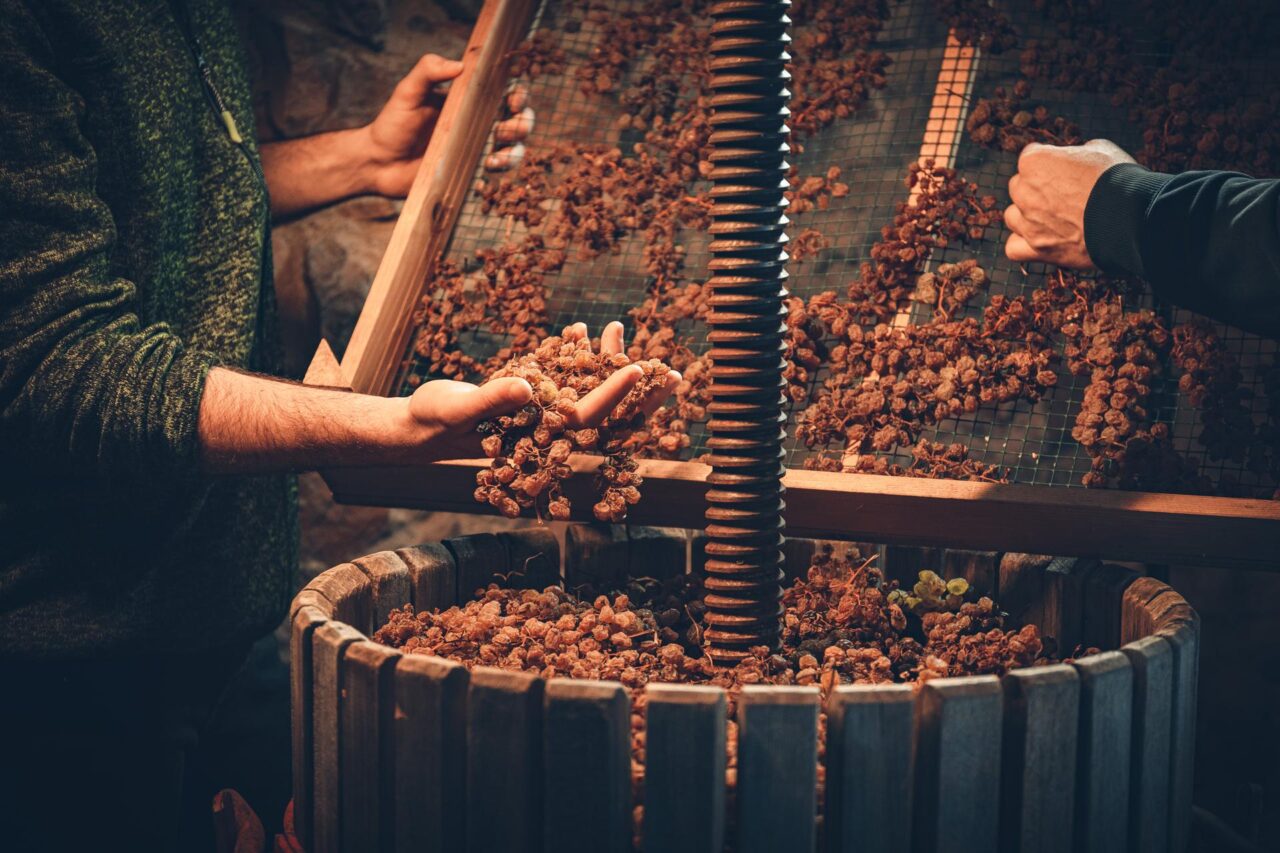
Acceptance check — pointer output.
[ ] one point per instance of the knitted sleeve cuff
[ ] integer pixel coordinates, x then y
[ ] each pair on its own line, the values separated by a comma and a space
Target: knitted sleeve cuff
1115, 214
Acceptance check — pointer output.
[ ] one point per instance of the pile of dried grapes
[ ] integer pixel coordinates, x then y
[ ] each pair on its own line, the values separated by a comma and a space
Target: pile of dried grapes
530, 448
843, 624
872, 382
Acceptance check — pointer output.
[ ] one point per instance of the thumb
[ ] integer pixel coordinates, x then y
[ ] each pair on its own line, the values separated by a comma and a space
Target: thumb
467, 404
429, 70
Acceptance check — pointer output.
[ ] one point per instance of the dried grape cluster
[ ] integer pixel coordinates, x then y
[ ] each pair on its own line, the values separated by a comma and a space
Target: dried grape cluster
978, 23
1009, 122
950, 287
843, 623
530, 449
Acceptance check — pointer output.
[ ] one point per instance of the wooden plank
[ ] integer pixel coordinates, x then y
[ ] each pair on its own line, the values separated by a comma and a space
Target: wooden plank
797, 555
433, 576
1104, 588
431, 754
1063, 606
777, 768
390, 578
328, 645
957, 764
1171, 529
368, 762
533, 556
904, 563
596, 555
1021, 585
308, 597
324, 370
979, 568
586, 767
381, 335
1038, 758
481, 560
350, 592
656, 552
302, 627
1152, 662
868, 763
504, 762
1102, 757
684, 796
1135, 615
1183, 640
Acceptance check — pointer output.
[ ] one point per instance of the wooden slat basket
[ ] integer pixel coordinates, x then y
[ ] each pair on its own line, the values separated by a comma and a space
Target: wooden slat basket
397, 752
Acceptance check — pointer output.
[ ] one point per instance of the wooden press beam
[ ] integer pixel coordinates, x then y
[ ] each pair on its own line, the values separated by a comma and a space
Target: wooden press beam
381, 336
1112, 524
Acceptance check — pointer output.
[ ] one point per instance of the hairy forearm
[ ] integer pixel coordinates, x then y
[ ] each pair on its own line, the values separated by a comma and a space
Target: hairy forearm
255, 424
311, 172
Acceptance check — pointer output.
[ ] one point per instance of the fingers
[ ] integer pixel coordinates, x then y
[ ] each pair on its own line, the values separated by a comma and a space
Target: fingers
1018, 249
1016, 189
576, 332
467, 404
611, 339
505, 158
1014, 220
658, 396
596, 406
515, 128
517, 98
429, 70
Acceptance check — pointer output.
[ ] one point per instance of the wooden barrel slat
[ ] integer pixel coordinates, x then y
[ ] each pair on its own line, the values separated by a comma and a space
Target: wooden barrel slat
1063, 607
350, 592
368, 762
1104, 588
777, 768
1183, 640
533, 556
431, 754
433, 576
595, 555
1102, 763
1038, 755
684, 783
1152, 662
390, 578
656, 552
586, 767
504, 762
308, 597
904, 563
1135, 617
328, 645
958, 739
481, 560
1020, 585
979, 568
868, 764
305, 621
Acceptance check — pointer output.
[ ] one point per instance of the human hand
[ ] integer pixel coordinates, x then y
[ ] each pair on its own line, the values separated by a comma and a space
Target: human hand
445, 413
396, 140
1050, 192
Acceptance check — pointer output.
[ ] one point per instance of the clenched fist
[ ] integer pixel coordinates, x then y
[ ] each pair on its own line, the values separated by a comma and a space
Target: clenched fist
1049, 194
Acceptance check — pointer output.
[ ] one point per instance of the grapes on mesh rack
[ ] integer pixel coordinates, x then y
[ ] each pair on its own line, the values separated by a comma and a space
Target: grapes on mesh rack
530, 448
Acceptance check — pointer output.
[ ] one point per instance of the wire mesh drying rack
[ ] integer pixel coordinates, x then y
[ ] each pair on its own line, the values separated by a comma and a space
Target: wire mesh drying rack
931, 82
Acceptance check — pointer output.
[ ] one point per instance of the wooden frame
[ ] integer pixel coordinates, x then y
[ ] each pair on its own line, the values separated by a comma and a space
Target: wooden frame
1160, 528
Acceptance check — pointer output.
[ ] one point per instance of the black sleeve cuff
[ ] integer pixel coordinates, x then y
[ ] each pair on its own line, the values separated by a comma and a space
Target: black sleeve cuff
1114, 216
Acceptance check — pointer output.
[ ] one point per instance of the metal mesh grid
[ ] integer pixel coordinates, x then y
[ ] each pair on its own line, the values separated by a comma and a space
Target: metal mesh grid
873, 148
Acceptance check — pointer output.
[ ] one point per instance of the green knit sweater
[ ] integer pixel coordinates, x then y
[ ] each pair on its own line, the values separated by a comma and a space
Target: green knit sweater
134, 255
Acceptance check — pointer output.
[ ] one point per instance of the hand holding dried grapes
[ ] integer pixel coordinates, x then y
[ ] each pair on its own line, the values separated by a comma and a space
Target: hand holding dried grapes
581, 401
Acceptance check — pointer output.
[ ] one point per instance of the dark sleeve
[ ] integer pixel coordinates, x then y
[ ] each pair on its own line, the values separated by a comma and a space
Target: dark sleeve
1208, 241
84, 386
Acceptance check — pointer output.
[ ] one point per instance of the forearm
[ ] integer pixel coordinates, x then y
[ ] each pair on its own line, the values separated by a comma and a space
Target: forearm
255, 424
1208, 241
314, 171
